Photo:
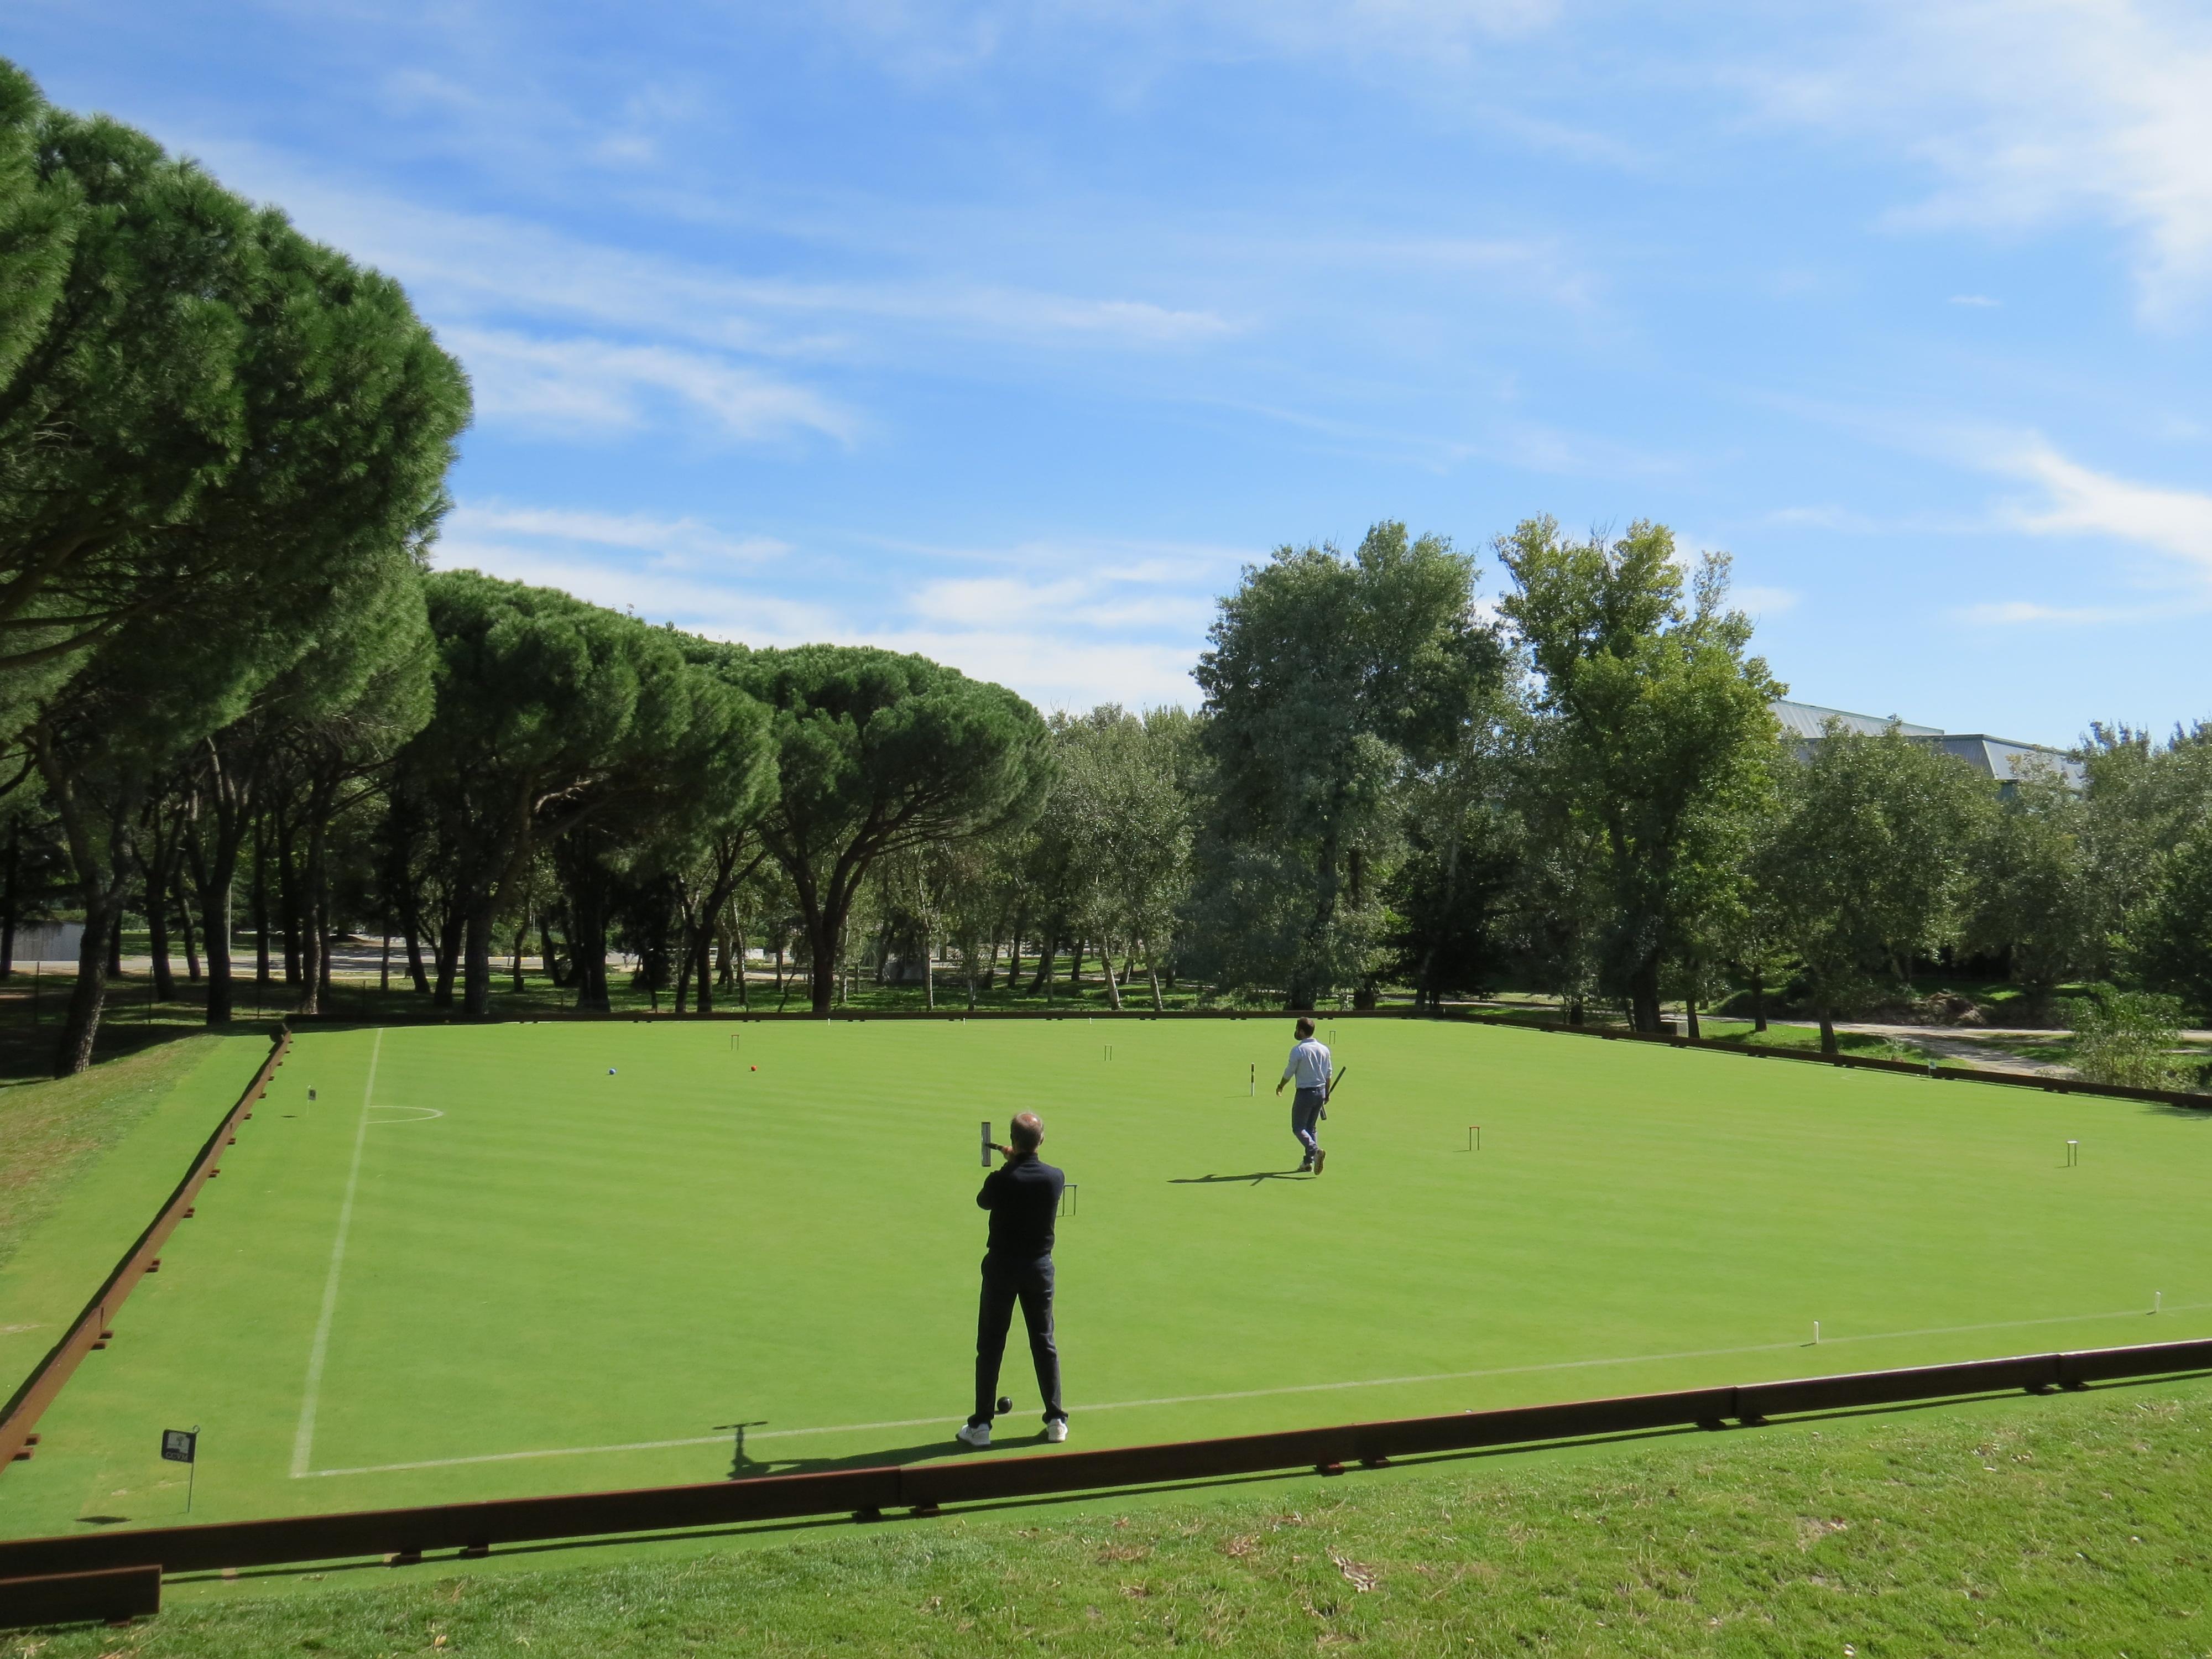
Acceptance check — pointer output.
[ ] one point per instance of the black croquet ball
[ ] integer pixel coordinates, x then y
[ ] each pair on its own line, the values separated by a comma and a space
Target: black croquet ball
1006, 1403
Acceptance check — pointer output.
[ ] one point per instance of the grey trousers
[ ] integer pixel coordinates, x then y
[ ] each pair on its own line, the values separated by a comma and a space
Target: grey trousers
1306, 1113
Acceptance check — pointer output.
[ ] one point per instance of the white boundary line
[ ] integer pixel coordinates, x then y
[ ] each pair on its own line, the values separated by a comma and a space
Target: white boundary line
303, 1442
298, 1473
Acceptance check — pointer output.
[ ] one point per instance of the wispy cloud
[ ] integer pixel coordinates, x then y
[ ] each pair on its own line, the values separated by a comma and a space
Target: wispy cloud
2168, 531
1977, 301
2032, 113
588, 387
1760, 601
685, 543
2013, 613
1068, 624
721, 610
2080, 500
477, 264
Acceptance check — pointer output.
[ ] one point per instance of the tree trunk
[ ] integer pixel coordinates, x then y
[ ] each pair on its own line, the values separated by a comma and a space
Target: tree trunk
546, 959
305, 909
1643, 996
1152, 973
1075, 970
215, 872
384, 972
476, 981
587, 934
521, 938
410, 935
287, 900
1827, 1030
260, 907
1574, 1011
1690, 1015
1106, 960
103, 909
10, 904
185, 924
323, 931
1758, 1002
115, 937
928, 972
704, 967
449, 955
1042, 985
823, 982
156, 873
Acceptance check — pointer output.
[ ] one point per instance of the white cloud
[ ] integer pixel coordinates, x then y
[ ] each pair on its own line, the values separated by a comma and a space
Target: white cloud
1056, 672
592, 387
1978, 301
2035, 113
1067, 624
716, 610
677, 543
478, 265
2079, 500
2009, 613
1763, 601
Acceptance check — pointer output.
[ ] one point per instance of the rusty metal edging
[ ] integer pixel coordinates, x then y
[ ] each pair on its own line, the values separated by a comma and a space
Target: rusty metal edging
19, 1418
864, 1494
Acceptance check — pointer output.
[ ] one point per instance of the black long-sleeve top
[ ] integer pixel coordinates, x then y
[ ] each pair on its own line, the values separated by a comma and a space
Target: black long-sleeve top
1022, 1196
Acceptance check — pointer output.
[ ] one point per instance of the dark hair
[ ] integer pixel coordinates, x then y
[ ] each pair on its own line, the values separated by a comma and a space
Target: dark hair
1027, 1133
1306, 1027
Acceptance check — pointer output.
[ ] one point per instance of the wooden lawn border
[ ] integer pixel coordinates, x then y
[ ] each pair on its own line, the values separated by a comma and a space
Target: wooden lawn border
19, 1418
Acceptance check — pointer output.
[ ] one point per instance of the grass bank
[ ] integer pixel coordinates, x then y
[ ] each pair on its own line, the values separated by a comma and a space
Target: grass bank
2054, 1526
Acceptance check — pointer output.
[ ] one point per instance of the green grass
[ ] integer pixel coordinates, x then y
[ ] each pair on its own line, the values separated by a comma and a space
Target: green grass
582, 1276
2065, 1525
85, 1162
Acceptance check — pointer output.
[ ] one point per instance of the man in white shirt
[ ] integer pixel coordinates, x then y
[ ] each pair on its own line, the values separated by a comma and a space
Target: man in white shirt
1308, 1067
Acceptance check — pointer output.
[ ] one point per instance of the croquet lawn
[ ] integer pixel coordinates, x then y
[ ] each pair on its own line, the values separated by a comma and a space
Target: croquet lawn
498, 1260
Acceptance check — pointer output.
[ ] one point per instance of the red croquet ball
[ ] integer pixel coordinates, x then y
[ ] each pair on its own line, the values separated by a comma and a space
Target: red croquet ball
755, 1068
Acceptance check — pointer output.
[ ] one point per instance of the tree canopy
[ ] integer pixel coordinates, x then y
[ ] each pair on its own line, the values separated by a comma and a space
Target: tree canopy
875, 752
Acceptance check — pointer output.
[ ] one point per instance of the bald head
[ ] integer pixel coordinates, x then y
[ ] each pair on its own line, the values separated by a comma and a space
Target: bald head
1027, 1131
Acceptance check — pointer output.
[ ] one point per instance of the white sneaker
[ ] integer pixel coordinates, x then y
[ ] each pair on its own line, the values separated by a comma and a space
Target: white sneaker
1056, 1430
977, 1435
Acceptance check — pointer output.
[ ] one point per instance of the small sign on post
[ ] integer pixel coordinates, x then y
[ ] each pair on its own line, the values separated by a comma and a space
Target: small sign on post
183, 1446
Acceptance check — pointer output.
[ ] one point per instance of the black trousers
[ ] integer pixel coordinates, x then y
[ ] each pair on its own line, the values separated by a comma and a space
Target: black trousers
1004, 1283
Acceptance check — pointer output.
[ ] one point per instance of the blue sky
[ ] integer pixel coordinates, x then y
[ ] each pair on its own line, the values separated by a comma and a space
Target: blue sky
1008, 332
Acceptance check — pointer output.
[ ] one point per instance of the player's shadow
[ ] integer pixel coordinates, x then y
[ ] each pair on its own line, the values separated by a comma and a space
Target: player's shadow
1255, 1177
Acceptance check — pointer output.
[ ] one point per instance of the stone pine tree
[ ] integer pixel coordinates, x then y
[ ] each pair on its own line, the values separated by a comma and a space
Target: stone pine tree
876, 753
122, 403
1656, 722
343, 413
552, 715
1326, 678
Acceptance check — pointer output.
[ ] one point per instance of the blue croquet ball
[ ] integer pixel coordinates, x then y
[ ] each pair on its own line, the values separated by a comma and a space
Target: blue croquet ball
610, 1071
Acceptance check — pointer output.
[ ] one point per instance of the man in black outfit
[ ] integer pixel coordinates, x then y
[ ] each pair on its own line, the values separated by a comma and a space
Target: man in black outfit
1022, 1196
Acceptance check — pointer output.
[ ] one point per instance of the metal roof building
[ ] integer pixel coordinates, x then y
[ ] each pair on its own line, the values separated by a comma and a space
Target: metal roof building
1804, 724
